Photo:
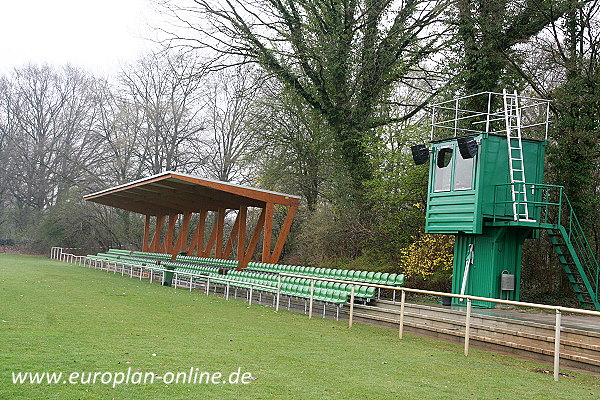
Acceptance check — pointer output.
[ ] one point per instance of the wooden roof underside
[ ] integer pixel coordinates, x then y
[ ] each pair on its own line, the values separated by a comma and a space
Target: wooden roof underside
175, 193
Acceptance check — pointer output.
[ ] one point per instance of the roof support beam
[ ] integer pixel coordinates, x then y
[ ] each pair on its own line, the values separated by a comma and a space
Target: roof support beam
181, 241
243, 263
241, 245
154, 246
266, 250
211, 242
232, 237
283, 233
198, 238
168, 243
220, 225
145, 246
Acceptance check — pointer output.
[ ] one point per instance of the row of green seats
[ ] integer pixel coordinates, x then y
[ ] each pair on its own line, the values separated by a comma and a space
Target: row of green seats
119, 251
379, 278
365, 292
127, 258
161, 256
195, 269
320, 294
245, 279
291, 286
185, 270
114, 257
209, 261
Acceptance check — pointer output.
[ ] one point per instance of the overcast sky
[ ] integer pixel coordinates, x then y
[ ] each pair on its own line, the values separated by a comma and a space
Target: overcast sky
97, 35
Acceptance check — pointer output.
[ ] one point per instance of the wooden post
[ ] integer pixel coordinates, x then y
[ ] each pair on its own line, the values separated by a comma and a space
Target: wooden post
285, 229
211, 242
145, 245
182, 237
155, 245
253, 241
198, 239
167, 246
232, 237
266, 251
241, 234
220, 225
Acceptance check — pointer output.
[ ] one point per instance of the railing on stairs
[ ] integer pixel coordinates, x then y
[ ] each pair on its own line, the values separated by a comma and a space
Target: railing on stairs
550, 209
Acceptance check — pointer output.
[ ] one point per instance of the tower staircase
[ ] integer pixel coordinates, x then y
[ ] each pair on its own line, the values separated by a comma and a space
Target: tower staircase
566, 234
576, 256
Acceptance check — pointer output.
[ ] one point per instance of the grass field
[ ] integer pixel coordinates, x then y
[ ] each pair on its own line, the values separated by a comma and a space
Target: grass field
65, 318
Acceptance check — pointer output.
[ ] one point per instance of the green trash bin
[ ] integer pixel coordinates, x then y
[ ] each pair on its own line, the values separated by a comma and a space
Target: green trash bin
168, 275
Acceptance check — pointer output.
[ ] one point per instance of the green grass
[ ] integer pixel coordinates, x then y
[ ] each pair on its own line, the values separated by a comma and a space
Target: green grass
61, 317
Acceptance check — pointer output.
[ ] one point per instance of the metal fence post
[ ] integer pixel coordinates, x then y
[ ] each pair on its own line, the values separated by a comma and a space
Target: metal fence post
312, 296
207, 284
467, 327
401, 326
351, 311
557, 345
278, 292
250, 295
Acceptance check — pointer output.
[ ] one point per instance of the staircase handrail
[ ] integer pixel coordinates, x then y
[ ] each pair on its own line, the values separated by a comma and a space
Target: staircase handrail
577, 236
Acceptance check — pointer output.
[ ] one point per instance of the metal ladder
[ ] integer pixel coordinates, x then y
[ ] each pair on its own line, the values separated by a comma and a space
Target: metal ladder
512, 117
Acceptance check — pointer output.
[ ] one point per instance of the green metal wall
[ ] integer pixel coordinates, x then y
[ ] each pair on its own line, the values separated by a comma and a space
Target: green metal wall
495, 250
464, 211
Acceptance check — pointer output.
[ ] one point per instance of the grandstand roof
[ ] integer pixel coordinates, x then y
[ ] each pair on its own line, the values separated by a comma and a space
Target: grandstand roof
176, 193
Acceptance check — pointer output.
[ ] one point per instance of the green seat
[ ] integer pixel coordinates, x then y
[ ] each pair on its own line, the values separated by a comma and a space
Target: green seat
377, 278
329, 295
383, 279
339, 274
361, 291
400, 280
340, 296
362, 276
391, 280
370, 276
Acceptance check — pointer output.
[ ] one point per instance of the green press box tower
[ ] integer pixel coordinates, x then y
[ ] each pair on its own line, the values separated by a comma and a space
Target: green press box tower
486, 187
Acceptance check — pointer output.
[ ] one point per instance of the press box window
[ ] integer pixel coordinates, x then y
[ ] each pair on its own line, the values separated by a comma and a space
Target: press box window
443, 170
463, 173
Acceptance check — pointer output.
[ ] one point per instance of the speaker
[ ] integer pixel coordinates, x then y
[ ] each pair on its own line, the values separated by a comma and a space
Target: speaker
467, 146
420, 154
444, 157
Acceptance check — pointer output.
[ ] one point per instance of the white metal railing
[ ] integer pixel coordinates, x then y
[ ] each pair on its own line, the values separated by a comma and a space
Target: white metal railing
58, 254
557, 309
456, 117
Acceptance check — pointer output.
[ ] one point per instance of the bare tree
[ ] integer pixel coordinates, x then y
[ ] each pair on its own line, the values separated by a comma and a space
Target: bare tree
121, 128
48, 117
230, 100
167, 91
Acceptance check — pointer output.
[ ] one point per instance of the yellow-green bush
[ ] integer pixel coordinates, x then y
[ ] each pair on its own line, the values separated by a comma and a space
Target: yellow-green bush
427, 256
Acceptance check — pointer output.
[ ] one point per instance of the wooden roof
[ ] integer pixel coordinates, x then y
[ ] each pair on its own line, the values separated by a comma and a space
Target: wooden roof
176, 193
